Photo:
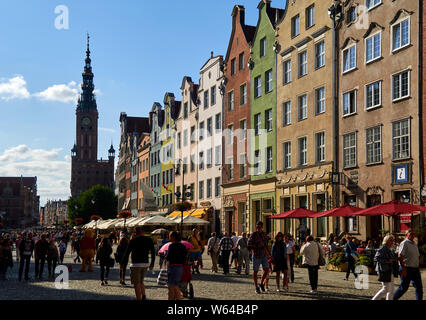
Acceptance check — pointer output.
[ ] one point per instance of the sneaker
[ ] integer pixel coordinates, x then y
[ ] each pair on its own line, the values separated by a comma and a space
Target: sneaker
106, 281
279, 290
266, 289
257, 290
262, 287
102, 283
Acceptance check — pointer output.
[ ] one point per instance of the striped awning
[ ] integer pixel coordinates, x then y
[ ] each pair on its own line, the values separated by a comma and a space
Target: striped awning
175, 214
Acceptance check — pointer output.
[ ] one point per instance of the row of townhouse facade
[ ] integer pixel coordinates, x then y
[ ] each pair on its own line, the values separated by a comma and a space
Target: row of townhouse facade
318, 105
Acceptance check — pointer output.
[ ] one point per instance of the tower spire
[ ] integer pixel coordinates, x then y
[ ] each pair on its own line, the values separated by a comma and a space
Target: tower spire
87, 98
88, 46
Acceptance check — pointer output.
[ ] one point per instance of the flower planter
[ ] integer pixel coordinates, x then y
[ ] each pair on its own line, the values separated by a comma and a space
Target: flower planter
340, 268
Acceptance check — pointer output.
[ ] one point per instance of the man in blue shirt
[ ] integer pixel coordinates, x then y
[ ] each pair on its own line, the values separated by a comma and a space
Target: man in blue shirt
350, 248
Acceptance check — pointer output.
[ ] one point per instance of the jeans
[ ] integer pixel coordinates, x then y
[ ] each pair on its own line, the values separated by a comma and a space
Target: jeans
24, 260
61, 258
103, 273
225, 260
290, 263
385, 291
51, 262
313, 276
39, 266
414, 276
351, 267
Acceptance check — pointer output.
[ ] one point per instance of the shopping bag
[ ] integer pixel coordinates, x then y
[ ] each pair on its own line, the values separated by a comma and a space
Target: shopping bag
162, 277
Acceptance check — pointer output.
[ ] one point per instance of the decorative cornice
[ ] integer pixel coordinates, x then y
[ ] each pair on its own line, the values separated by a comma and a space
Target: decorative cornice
372, 26
303, 41
320, 31
399, 13
287, 51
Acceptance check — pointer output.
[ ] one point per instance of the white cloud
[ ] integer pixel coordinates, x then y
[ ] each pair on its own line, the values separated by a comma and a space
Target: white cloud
60, 92
14, 88
107, 130
53, 174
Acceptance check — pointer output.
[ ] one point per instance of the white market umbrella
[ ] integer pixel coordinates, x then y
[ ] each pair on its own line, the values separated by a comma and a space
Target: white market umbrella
190, 220
120, 224
137, 222
106, 224
158, 221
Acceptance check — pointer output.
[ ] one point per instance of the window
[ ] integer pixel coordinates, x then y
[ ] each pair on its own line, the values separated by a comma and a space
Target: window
287, 155
201, 190
372, 3
262, 47
374, 145
192, 162
401, 34
185, 110
218, 122
268, 81
185, 138
320, 145
319, 55
287, 71
349, 103
217, 187
201, 131
218, 155
209, 188
178, 144
230, 134
303, 63
206, 99
373, 95
231, 101
233, 66
373, 47
209, 127
286, 113
192, 134
401, 139
349, 150
295, 26
209, 158
310, 16
349, 59
213, 95
242, 165
303, 107
201, 161
303, 151
257, 124
268, 120
401, 85
192, 191
185, 165
320, 100
269, 159
243, 130
351, 15
241, 62
256, 163
257, 86
230, 163
243, 94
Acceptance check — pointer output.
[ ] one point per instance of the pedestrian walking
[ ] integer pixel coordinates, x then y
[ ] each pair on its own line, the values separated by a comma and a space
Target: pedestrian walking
408, 257
258, 244
279, 260
161, 243
17, 244
97, 242
76, 247
291, 253
120, 253
243, 254
311, 252
195, 252
40, 252
52, 257
103, 255
6, 260
386, 259
175, 256
350, 252
234, 258
139, 248
202, 240
62, 251
26, 249
225, 247
213, 250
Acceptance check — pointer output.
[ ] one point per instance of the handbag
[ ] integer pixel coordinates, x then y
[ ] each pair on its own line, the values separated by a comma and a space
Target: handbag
110, 262
162, 277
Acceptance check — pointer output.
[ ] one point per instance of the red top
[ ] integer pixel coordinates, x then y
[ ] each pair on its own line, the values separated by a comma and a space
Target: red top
87, 243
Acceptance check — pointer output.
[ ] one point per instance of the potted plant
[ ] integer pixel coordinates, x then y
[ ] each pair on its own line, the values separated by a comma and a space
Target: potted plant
124, 214
338, 262
366, 261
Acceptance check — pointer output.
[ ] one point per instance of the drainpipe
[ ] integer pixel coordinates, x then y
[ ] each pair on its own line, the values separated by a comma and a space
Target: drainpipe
420, 105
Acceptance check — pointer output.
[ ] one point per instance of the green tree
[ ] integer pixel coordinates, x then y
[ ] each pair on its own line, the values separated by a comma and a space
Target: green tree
74, 206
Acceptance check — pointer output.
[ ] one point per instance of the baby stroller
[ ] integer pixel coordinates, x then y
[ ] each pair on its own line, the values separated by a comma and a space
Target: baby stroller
185, 284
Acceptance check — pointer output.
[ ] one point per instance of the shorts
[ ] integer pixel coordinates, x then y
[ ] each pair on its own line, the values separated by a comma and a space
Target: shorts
174, 274
137, 274
281, 267
195, 255
260, 261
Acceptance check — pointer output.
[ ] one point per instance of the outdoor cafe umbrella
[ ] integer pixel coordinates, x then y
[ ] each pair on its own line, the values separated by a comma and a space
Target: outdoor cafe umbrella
343, 211
296, 213
159, 231
158, 221
187, 245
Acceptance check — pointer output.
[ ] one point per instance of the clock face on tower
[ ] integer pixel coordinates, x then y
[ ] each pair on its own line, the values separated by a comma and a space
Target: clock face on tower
86, 122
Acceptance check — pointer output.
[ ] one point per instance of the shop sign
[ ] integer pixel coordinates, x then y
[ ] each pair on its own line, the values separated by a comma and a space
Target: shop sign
401, 173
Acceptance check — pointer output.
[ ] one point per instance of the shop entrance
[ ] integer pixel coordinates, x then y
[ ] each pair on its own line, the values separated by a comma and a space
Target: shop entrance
375, 222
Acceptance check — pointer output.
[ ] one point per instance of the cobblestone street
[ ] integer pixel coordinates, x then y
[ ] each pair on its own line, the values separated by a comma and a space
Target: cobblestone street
207, 286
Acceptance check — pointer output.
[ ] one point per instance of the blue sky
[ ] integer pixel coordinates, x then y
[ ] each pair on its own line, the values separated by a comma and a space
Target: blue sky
140, 50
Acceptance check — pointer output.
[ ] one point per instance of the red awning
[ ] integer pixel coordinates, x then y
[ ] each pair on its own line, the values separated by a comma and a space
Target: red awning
343, 211
392, 208
296, 213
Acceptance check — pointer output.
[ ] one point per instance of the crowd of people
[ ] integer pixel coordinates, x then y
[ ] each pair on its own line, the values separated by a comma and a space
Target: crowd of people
276, 255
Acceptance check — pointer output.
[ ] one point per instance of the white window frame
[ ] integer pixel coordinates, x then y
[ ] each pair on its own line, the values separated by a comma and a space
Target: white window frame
269, 162
209, 132
230, 134
262, 47
367, 2
213, 96
286, 113
399, 22
307, 11
268, 81
319, 101
320, 56
268, 120
242, 160
366, 48
302, 107
243, 130
409, 85
346, 166
286, 71
243, 94
348, 49
320, 149
257, 123
230, 162
257, 162
231, 101
343, 103
218, 116
409, 139
209, 192
303, 150
287, 155
258, 86
302, 64
295, 27
371, 144
373, 106
217, 155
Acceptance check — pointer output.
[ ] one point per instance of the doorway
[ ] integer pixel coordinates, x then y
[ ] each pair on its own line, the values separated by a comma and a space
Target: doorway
229, 221
375, 222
